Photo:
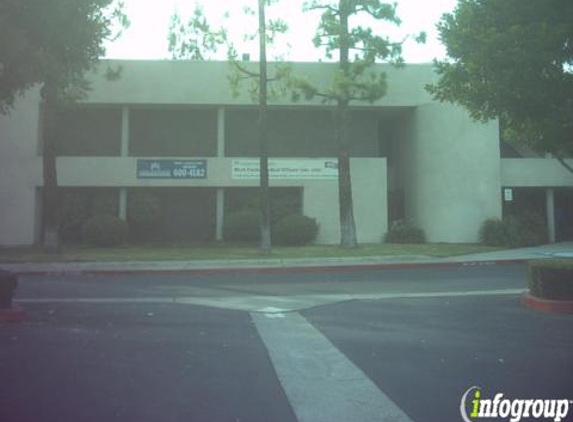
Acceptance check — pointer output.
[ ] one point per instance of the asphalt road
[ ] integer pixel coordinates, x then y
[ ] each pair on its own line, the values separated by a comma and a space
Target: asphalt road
397, 345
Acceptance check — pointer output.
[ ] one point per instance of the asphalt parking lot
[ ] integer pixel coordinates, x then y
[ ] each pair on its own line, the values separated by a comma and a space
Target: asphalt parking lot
125, 355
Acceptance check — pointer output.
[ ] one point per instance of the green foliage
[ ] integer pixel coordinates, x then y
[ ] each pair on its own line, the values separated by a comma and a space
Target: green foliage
400, 232
493, 232
76, 206
282, 207
105, 230
512, 59
525, 229
551, 278
295, 230
194, 39
53, 42
144, 209
75, 210
358, 48
242, 226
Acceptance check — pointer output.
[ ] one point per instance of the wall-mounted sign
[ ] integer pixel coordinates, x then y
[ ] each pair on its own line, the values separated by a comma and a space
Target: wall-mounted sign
171, 169
508, 194
287, 169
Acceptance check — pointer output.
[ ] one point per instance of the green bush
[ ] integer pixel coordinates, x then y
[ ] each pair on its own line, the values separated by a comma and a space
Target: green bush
105, 230
401, 232
551, 278
525, 229
144, 209
75, 210
242, 226
77, 205
283, 207
493, 232
295, 229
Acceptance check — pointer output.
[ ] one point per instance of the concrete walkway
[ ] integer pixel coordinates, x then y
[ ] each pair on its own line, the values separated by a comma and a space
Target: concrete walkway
557, 250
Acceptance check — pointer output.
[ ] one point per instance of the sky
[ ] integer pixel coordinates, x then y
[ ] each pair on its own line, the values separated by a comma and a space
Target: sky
146, 38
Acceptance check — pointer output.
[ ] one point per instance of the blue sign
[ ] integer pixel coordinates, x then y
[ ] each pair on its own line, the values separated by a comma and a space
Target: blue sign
171, 169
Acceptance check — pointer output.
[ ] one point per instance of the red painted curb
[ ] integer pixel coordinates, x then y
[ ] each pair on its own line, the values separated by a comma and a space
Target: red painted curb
279, 270
545, 305
13, 314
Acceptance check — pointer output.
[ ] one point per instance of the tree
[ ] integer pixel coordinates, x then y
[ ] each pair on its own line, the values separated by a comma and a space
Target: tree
512, 60
52, 44
197, 38
354, 80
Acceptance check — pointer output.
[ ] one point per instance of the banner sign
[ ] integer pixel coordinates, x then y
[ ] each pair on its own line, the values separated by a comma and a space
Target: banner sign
171, 169
287, 169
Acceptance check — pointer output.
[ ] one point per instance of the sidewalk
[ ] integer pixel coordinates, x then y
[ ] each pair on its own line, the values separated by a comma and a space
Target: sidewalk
559, 250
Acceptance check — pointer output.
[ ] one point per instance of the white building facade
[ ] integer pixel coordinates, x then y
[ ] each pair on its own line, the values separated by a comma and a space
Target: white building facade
175, 129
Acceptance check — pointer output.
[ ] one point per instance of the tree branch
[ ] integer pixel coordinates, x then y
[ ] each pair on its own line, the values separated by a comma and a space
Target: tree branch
245, 70
563, 162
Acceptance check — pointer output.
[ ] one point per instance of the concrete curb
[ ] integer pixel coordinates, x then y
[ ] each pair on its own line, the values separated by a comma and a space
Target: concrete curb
545, 305
14, 314
282, 268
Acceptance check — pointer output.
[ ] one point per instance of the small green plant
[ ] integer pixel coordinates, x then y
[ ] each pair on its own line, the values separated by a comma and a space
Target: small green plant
144, 209
242, 226
105, 230
524, 229
493, 232
400, 232
551, 278
295, 229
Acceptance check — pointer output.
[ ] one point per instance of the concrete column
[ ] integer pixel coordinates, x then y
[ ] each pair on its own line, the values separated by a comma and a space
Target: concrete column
221, 132
123, 203
550, 206
220, 211
124, 131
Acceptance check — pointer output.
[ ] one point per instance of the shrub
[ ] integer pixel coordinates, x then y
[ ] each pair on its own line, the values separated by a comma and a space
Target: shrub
283, 207
493, 232
144, 209
401, 232
525, 229
295, 229
74, 209
8, 283
105, 230
242, 226
551, 278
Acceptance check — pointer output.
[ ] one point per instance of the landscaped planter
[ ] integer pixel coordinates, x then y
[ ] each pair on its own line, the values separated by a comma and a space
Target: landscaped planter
550, 285
9, 312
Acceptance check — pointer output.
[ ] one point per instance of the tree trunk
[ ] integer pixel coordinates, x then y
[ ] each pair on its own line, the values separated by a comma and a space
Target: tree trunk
51, 235
348, 237
264, 195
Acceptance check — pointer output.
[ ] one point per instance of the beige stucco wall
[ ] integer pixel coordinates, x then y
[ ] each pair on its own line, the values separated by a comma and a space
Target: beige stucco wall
369, 191
535, 172
451, 174
206, 83
20, 172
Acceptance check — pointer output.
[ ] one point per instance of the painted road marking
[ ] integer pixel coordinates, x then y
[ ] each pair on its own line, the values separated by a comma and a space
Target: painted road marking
269, 304
321, 383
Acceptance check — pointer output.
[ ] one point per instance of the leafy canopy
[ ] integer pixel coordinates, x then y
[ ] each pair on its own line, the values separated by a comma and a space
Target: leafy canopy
358, 47
52, 41
513, 60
